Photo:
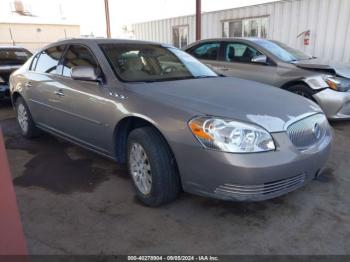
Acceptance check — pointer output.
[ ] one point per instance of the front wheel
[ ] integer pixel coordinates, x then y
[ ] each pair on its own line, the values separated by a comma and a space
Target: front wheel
25, 120
152, 167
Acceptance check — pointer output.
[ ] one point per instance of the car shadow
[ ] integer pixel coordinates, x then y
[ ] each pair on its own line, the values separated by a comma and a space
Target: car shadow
51, 165
340, 124
5, 103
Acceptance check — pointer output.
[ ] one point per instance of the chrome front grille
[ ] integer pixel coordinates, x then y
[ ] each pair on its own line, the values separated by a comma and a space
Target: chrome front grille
245, 192
308, 131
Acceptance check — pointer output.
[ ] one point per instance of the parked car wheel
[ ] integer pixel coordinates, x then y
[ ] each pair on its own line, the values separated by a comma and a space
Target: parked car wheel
25, 120
302, 90
152, 167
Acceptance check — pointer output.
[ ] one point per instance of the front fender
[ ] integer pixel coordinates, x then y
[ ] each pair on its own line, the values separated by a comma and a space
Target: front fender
315, 82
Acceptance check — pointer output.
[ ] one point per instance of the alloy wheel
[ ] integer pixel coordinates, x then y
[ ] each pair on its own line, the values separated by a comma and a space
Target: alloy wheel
22, 117
140, 168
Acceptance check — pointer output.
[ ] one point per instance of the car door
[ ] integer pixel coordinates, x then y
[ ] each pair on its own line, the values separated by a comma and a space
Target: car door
84, 105
237, 61
208, 53
41, 83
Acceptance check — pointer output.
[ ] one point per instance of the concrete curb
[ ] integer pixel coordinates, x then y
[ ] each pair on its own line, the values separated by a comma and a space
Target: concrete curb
12, 241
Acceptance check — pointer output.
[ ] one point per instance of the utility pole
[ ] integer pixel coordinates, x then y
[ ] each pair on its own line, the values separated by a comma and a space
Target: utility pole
13, 41
108, 23
198, 19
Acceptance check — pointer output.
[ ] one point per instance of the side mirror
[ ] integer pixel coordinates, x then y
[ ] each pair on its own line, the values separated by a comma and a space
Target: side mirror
260, 59
85, 73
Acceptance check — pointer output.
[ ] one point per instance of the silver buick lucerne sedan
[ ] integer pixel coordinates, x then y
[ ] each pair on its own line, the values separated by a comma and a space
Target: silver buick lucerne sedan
173, 121
274, 63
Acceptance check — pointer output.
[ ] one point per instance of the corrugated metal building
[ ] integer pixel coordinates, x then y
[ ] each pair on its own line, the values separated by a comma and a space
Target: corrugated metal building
319, 27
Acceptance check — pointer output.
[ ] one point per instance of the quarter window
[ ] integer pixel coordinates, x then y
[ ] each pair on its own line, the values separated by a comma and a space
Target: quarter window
208, 51
49, 59
78, 55
34, 61
237, 52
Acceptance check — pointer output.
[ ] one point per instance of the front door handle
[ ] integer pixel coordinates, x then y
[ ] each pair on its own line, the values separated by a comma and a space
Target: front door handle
59, 93
28, 84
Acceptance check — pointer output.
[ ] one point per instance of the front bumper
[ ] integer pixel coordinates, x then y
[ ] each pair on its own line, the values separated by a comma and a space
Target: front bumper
336, 105
250, 177
4, 91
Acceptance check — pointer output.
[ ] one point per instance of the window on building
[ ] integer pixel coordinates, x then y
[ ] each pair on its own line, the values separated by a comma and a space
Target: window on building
180, 36
48, 60
78, 55
252, 27
207, 51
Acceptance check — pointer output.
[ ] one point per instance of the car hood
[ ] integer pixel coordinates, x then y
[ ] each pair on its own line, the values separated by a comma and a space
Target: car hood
340, 69
234, 98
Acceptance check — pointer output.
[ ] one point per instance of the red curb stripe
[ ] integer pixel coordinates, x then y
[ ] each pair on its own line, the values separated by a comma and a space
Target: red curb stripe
12, 240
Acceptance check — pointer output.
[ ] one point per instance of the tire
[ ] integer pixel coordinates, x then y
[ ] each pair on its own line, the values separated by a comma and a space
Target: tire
25, 120
155, 164
302, 90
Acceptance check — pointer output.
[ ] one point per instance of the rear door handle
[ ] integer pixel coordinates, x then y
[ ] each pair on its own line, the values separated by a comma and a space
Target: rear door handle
28, 84
223, 68
59, 93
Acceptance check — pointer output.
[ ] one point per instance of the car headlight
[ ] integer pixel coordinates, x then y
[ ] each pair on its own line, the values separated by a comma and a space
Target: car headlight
231, 136
337, 83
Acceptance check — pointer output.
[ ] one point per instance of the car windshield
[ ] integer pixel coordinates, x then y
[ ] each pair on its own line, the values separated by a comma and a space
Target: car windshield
282, 51
150, 63
12, 56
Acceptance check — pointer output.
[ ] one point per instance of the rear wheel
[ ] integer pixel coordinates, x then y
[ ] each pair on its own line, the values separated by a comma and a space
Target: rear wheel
302, 90
25, 120
152, 167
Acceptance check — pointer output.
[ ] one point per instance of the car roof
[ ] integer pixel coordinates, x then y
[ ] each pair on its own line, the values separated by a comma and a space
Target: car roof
227, 39
103, 41
89, 40
11, 47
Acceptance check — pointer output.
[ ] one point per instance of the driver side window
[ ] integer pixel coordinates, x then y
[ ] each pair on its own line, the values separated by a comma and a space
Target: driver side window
241, 53
78, 55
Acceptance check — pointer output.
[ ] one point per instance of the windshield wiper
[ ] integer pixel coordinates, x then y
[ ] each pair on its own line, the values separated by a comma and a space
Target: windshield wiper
204, 76
174, 78
168, 79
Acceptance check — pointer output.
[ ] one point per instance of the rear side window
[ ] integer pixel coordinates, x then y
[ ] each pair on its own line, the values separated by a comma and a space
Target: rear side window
48, 60
78, 55
13, 56
208, 51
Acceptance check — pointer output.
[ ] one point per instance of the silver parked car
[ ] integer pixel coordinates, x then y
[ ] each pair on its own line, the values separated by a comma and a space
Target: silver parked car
175, 122
277, 64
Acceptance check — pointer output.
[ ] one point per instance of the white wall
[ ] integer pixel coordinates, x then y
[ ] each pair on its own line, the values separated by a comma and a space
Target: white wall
35, 36
328, 20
